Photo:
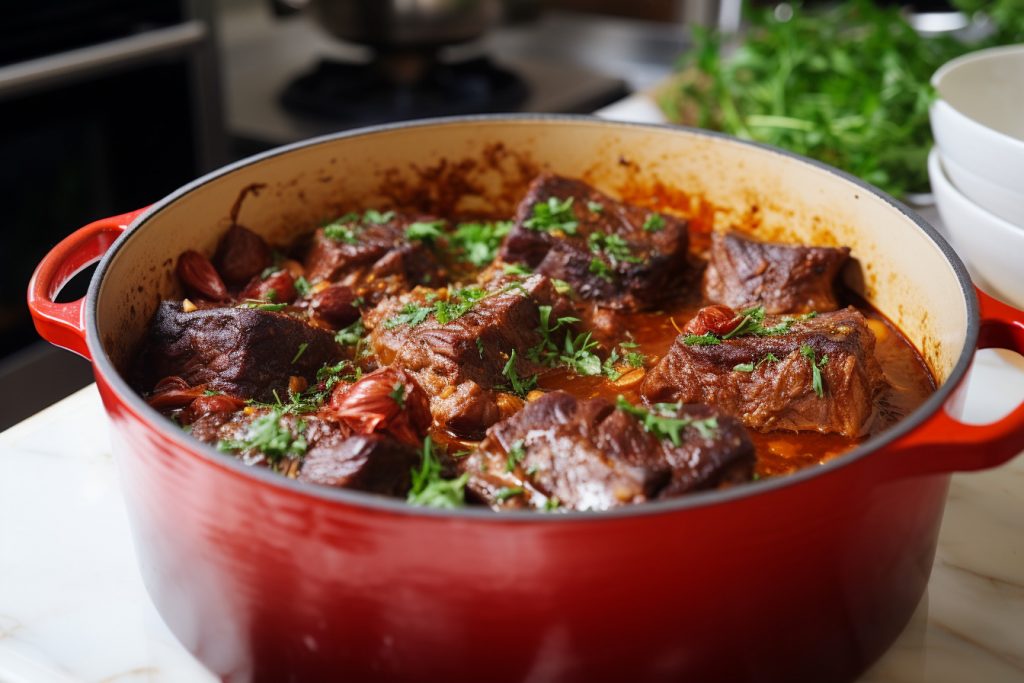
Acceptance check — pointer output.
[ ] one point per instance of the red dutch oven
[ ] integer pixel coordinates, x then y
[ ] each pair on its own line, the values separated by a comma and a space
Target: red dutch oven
805, 577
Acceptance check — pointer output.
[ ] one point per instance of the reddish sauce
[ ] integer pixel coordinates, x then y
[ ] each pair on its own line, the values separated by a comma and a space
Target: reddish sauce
909, 384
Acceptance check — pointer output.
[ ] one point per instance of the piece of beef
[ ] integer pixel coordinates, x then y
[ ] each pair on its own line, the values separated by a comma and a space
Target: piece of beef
769, 381
244, 352
373, 257
783, 278
560, 451
364, 462
461, 363
622, 256
329, 454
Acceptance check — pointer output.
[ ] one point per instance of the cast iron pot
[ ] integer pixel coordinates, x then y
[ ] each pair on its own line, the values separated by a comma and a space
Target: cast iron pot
806, 577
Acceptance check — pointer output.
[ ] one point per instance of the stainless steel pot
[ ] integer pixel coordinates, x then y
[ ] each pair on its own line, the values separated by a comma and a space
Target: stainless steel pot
390, 25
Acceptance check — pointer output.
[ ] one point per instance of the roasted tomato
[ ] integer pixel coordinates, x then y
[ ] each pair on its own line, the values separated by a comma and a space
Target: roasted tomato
387, 400
200, 278
241, 256
717, 319
278, 287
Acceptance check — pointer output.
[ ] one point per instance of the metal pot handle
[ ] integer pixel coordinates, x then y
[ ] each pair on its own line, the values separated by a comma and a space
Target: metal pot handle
63, 324
943, 444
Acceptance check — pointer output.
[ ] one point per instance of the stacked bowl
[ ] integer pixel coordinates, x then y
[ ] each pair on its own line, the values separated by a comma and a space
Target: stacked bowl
977, 166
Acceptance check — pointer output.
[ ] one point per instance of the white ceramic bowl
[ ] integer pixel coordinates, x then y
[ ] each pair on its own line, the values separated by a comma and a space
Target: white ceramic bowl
992, 248
978, 120
1001, 201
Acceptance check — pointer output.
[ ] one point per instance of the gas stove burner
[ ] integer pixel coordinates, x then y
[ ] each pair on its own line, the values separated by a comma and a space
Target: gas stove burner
402, 86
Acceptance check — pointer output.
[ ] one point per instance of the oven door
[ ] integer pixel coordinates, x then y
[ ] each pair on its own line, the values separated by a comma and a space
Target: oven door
87, 133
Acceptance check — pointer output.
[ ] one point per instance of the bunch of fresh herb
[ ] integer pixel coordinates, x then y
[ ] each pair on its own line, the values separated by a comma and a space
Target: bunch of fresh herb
848, 85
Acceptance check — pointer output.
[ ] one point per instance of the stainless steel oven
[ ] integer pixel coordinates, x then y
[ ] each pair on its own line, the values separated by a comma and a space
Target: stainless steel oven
105, 105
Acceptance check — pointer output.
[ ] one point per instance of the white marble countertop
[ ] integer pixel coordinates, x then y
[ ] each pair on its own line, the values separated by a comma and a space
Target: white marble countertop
73, 608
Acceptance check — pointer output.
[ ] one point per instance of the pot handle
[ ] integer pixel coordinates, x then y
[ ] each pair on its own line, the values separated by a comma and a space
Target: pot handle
63, 324
944, 444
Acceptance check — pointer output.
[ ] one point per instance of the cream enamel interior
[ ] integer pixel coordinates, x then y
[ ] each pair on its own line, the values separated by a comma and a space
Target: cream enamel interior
897, 266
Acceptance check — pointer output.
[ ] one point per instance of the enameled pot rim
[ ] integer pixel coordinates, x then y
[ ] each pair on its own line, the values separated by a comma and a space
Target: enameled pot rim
129, 398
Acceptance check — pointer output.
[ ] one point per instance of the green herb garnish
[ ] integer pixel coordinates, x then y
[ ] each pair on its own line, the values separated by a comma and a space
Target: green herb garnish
341, 232
706, 339
426, 231
267, 435
595, 207
398, 394
750, 367
377, 217
600, 268
519, 386
298, 354
261, 305
506, 492
663, 421
816, 365
654, 222
412, 314
517, 269
516, 454
459, 302
302, 286
554, 214
429, 489
613, 246
478, 243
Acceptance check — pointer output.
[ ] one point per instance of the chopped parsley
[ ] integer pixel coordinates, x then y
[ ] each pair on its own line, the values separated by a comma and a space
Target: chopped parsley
627, 357
517, 269
430, 489
351, 335
261, 305
341, 232
398, 394
267, 435
613, 246
750, 367
426, 231
506, 492
346, 228
269, 270
595, 207
816, 365
546, 351
706, 339
552, 504
212, 392
579, 355
654, 222
554, 214
302, 286
377, 217
477, 243
516, 454
600, 268
662, 420
562, 287
519, 386
412, 314
751, 324
298, 354
480, 347
458, 304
